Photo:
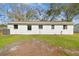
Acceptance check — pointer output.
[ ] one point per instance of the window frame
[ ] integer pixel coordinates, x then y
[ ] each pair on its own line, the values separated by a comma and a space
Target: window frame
15, 26
40, 26
52, 26
29, 27
64, 27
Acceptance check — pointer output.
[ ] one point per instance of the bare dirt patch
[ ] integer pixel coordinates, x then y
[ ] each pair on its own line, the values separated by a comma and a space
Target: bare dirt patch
35, 47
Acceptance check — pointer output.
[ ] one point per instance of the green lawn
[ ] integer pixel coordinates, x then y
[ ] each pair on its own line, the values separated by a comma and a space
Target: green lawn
67, 41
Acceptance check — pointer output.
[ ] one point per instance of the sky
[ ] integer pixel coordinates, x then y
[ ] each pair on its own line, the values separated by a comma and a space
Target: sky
33, 5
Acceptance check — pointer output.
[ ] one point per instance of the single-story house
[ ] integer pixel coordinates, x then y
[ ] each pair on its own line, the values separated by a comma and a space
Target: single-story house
40, 27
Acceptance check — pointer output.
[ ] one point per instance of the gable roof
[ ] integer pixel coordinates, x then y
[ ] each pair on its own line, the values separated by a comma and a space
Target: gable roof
41, 23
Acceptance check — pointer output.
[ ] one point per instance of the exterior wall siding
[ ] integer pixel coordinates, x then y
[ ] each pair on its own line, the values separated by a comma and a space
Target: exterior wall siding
58, 29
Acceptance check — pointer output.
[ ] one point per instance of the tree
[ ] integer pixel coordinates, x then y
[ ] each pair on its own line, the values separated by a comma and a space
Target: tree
41, 14
19, 12
31, 14
70, 10
53, 10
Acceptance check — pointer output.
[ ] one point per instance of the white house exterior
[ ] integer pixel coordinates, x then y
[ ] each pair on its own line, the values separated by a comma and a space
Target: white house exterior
40, 27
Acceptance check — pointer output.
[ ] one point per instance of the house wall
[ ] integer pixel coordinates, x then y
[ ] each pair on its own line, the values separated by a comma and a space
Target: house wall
22, 29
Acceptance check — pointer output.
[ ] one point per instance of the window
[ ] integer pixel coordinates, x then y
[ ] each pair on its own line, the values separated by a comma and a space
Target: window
40, 26
29, 27
15, 26
64, 26
52, 26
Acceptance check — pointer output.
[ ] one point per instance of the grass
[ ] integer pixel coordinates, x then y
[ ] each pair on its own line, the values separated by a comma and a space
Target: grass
2, 25
67, 41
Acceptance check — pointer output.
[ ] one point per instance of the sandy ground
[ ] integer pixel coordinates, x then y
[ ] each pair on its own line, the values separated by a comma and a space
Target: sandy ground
35, 47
